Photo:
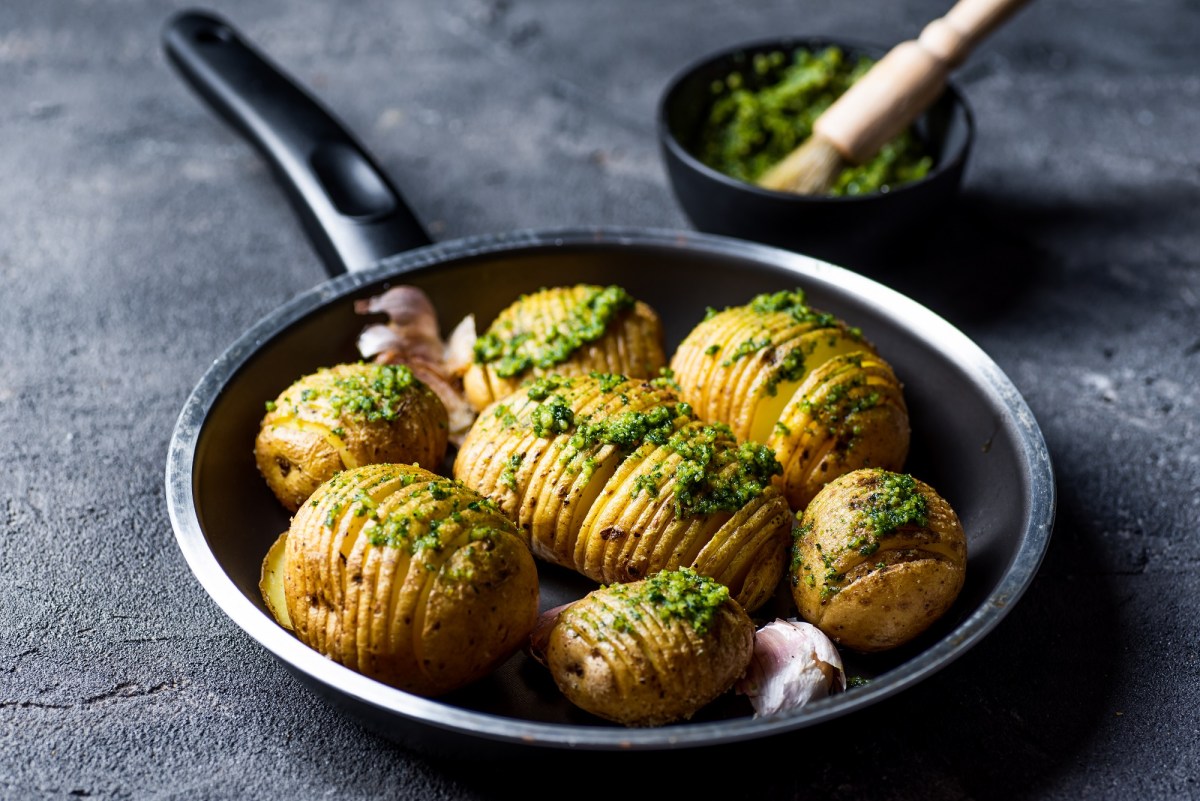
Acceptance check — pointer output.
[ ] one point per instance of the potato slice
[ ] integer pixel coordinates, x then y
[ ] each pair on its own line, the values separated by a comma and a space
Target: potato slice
571, 330
343, 417
879, 556
270, 582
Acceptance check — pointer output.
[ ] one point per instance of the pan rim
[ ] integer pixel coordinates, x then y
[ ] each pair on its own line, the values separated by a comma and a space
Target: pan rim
952, 344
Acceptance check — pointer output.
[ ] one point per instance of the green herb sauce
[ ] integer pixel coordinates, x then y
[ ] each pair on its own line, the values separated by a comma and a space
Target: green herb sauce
761, 113
675, 594
585, 322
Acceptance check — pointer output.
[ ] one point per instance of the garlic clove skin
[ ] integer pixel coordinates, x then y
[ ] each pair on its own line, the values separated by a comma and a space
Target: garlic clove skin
460, 346
793, 663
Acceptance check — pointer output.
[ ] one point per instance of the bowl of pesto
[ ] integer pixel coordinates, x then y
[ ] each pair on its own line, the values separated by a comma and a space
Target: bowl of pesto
727, 118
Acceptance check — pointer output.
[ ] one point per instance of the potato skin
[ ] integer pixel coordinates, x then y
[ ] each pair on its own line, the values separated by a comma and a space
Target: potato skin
631, 343
408, 578
344, 417
609, 510
877, 558
619, 654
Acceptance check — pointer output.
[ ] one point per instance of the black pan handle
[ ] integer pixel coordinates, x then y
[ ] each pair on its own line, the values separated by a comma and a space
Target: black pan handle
347, 205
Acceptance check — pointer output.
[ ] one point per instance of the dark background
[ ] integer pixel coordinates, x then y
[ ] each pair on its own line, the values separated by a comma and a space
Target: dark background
138, 236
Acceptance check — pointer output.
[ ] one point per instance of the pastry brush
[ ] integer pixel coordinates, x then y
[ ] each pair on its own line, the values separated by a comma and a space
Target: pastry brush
886, 100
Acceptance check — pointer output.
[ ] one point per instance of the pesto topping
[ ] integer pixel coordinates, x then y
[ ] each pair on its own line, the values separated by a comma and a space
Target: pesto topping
628, 430
585, 322
376, 395
541, 388
761, 113
676, 595
552, 416
893, 503
370, 392
838, 406
746, 348
666, 380
794, 303
508, 478
714, 477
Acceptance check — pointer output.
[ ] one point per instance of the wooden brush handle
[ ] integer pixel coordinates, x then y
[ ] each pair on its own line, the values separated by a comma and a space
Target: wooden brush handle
908, 79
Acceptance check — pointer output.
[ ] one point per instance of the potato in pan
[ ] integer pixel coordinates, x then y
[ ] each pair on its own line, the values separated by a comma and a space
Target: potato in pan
616, 479
344, 417
812, 387
404, 576
652, 651
878, 557
571, 330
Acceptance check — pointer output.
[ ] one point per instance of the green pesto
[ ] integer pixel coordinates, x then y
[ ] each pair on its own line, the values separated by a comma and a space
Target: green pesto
666, 380
797, 564
628, 430
680, 594
794, 302
552, 416
832, 578
608, 381
509, 477
761, 113
504, 414
712, 350
541, 388
856, 681
648, 482
746, 348
375, 394
585, 322
893, 503
791, 368
713, 476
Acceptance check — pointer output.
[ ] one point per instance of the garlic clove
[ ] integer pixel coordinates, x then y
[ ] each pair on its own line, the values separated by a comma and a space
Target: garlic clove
793, 663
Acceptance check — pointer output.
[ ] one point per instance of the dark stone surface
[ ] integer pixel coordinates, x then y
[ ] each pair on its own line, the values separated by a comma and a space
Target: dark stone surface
138, 236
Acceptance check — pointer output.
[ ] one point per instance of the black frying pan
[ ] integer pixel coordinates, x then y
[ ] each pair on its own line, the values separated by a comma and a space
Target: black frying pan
974, 438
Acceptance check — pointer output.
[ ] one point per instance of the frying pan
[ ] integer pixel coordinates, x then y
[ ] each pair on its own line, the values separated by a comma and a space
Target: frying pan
974, 437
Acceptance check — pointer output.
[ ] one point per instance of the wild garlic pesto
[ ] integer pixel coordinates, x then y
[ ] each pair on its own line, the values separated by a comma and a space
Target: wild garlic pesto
675, 595
761, 113
513, 352
375, 393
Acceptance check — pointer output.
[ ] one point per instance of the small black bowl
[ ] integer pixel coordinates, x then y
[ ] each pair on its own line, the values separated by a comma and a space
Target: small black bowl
852, 231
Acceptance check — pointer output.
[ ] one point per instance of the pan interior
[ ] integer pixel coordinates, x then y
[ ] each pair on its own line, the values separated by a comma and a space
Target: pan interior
966, 441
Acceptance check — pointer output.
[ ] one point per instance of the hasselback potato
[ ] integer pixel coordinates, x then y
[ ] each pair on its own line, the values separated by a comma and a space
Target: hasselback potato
615, 478
652, 651
571, 330
878, 557
343, 417
407, 577
812, 387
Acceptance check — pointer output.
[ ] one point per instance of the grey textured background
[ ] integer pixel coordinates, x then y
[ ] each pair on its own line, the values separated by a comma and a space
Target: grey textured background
138, 237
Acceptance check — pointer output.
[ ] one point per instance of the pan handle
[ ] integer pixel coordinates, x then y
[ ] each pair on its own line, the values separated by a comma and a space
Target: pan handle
350, 210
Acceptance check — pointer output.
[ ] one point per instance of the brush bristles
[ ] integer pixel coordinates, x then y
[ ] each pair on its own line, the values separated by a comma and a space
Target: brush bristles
808, 170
